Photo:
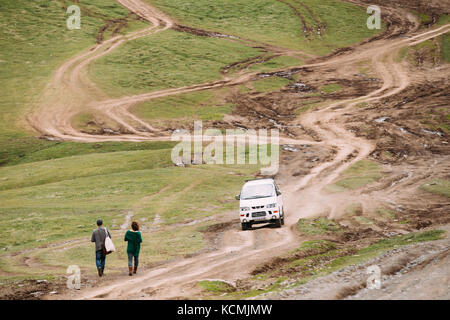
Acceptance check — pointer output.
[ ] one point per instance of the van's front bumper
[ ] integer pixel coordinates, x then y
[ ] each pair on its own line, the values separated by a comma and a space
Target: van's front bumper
259, 216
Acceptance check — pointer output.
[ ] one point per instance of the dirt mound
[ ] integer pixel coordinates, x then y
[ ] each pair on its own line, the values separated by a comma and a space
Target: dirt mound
220, 227
29, 289
278, 262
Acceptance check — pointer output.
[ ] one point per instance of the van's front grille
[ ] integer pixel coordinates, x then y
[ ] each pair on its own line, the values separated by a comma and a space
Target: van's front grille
258, 207
258, 214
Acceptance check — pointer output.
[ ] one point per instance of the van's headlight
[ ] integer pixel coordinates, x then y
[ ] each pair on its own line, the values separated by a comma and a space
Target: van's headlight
245, 208
271, 205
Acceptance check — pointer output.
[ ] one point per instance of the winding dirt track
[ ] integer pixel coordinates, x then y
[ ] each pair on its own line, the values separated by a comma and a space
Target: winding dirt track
70, 91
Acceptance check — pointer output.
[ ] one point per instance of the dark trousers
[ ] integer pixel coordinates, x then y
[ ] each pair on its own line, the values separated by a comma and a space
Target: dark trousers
100, 259
130, 260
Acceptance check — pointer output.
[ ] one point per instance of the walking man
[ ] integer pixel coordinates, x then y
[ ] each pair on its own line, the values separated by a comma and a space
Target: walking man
99, 236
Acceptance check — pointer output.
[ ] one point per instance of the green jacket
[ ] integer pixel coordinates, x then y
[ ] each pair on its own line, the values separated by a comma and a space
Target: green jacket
134, 242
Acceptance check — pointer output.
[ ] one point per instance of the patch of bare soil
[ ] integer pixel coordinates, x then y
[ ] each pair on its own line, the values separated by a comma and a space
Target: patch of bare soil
411, 123
279, 109
196, 32
29, 289
116, 25
297, 161
244, 64
220, 227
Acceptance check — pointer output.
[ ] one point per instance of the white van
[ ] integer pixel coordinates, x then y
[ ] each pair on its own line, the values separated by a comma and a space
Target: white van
260, 201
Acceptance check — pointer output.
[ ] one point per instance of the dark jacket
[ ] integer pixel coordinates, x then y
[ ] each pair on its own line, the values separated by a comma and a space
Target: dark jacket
99, 239
134, 242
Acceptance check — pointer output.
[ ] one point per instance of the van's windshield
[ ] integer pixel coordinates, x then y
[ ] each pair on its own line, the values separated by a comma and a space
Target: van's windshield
258, 191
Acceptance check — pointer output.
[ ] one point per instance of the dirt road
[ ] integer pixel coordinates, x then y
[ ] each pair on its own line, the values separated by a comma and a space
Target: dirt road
70, 91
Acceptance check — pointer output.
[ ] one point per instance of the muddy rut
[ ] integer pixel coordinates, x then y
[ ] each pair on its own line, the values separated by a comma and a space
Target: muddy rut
70, 92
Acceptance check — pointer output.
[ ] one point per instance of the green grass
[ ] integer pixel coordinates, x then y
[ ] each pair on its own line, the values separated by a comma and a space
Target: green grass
272, 22
438, 186
331, 88
445, 47
317, 226
422, 16
185, 108
168, 59
68, 168
443, 20
270, 84
277, 63
34, 41
216, 286
357, 176
57, 150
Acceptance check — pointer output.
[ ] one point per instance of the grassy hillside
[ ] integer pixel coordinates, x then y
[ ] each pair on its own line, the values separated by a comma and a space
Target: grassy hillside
172, 59
54, 201
182, 109
34, 41
167, 59
276, 22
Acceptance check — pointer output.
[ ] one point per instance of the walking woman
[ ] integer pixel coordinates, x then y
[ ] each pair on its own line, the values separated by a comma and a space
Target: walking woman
134, 239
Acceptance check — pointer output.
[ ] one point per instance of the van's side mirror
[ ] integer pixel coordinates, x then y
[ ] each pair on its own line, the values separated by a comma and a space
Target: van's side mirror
238, 197
278, 193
